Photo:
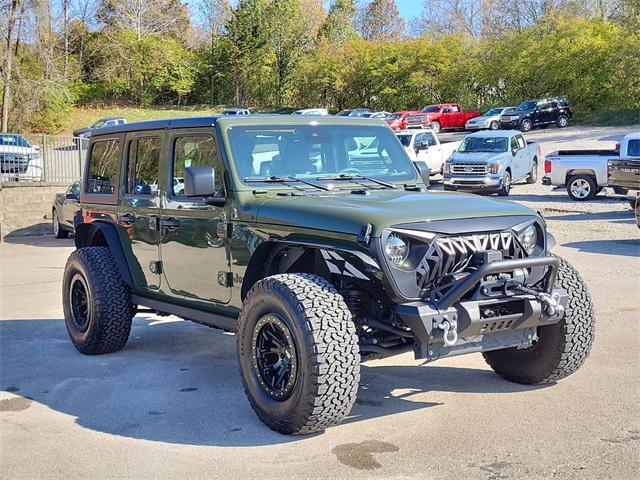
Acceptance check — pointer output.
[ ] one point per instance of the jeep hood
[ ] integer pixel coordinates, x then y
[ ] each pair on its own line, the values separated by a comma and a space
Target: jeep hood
346, 213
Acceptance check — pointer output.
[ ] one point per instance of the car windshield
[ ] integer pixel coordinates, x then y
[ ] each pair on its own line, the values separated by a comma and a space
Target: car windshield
394, 116
483, 144
431, 109
345, 113
98, 124
312, 151
13, 141
493, 111
526, 106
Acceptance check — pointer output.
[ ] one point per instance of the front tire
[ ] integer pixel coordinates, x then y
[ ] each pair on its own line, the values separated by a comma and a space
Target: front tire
96, 302
561, 348
506, 184
494, 125
526, 125
298, 353
435, 126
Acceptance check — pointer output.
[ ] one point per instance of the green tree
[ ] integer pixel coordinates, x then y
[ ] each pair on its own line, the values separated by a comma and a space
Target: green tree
381, 20
339, 25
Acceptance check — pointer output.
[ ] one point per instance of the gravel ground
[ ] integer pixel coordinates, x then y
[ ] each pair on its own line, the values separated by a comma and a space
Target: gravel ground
170, 404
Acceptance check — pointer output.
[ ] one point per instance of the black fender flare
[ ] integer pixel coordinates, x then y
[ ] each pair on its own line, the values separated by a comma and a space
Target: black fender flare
101, 233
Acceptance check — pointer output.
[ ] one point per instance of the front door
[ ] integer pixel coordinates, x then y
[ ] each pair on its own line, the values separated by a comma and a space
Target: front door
139, 209
195, 257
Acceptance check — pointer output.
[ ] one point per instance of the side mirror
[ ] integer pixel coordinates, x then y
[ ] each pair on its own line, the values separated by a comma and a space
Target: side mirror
423, 171
514, 151
199, 182
423, 145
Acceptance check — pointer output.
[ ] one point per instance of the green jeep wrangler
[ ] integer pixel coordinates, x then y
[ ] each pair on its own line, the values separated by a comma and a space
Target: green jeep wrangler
316, 242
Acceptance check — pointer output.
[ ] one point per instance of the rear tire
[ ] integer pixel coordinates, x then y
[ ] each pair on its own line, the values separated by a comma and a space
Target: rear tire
533, 174
298, 353
561, 348
582, 187
96, 302
563, 121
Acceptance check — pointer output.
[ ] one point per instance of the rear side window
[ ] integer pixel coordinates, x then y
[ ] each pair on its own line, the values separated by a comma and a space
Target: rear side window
633, 149
142, 166
521, 143
194, 151
103, 165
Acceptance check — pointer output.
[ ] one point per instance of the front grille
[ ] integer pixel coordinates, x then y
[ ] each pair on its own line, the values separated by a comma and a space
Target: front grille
416, 120
469, 168
446, 256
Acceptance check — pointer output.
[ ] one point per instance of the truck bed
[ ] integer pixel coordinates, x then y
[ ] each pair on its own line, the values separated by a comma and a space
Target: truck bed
590, 153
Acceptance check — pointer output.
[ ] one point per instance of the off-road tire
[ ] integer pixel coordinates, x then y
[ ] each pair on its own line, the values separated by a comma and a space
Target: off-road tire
561, 347
327, 350
109, 308
587, 180
533, 174
58, 231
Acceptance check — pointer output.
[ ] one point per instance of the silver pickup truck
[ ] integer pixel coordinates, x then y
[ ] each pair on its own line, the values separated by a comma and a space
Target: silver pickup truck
585, 172
491, 161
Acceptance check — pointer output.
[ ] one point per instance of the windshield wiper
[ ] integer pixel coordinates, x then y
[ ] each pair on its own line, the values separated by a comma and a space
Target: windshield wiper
344, 177
275, 179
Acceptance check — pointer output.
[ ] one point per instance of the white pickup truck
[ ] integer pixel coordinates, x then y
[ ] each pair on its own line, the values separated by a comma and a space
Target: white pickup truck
423, 145
585, 172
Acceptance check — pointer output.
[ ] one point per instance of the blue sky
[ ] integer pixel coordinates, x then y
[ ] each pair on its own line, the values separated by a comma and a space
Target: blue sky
409, 8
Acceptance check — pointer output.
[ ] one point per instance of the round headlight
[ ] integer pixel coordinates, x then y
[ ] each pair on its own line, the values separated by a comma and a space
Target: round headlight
529, 238
396, 249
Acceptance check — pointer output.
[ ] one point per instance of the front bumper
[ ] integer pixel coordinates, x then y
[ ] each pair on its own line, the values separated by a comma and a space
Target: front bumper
473, 182
487, 310
510, 125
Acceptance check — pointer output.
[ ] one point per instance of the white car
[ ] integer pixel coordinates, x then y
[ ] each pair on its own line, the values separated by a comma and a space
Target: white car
16, 153
312, 112
489, 120
423, 145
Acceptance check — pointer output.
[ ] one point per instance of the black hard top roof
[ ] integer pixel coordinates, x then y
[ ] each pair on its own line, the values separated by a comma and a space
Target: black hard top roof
189, 122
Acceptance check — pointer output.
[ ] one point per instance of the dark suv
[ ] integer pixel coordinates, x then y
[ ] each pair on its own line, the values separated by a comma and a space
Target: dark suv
316, 242
537, 113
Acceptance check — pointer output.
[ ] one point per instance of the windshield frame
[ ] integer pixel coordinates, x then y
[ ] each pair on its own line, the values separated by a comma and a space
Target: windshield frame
238, 183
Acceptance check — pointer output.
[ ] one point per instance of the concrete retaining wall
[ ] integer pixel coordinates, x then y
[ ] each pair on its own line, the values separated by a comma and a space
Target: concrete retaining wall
26, 207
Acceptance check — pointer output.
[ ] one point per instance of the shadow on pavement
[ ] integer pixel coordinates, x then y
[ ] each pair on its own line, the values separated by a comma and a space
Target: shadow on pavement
178, 382
624, 248
39, 235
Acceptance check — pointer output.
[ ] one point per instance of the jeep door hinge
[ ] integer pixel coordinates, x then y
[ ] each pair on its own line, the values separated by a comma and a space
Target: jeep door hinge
155, 267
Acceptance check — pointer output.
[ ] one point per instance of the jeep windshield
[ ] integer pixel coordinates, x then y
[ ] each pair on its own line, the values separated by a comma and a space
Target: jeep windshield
318, 153
479, 144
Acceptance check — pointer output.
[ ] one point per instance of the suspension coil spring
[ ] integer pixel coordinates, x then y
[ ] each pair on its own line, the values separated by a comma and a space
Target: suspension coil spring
355, 305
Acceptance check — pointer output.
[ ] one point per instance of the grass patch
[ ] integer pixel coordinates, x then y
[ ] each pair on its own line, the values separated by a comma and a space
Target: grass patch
613, 118
85, 116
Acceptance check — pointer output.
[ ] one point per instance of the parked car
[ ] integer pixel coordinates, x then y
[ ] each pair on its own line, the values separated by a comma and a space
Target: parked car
488, 120
311, 111
65, 206
102, 123
353, 112
492, 161
407, 119
379, 114
423, 145
537, 113
338, 256
16, 153
446, 116
585, 173
236, 111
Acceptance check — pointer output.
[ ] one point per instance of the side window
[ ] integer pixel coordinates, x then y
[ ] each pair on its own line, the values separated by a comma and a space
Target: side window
103, 164
446, 110
455, 109
142, 166
195, 151
521, 143
74, 189
514, 143
633, 148
543, 105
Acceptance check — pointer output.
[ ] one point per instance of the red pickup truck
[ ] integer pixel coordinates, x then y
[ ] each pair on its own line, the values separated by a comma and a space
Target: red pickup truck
407, 119
448, 115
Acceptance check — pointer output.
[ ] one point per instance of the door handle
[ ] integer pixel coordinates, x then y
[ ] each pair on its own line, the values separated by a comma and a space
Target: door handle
169, 223
127, 219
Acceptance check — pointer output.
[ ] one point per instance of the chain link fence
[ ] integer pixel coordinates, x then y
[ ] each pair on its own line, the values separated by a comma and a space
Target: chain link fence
43, 158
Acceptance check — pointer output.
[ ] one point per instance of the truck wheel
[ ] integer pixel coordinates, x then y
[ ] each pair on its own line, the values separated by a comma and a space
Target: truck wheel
58, 231
298, 353
533, 174
435, 126
561, 348
526, 125
506, 184
563, 121
582, 187
96, 302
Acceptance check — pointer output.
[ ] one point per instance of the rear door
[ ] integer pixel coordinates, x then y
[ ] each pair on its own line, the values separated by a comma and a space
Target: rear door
521, 161
139, 210
195, 255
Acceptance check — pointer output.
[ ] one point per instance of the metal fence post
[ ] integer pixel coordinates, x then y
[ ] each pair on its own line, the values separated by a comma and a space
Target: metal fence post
43, 149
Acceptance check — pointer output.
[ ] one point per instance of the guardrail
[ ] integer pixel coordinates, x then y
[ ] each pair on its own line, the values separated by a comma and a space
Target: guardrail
51, 158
